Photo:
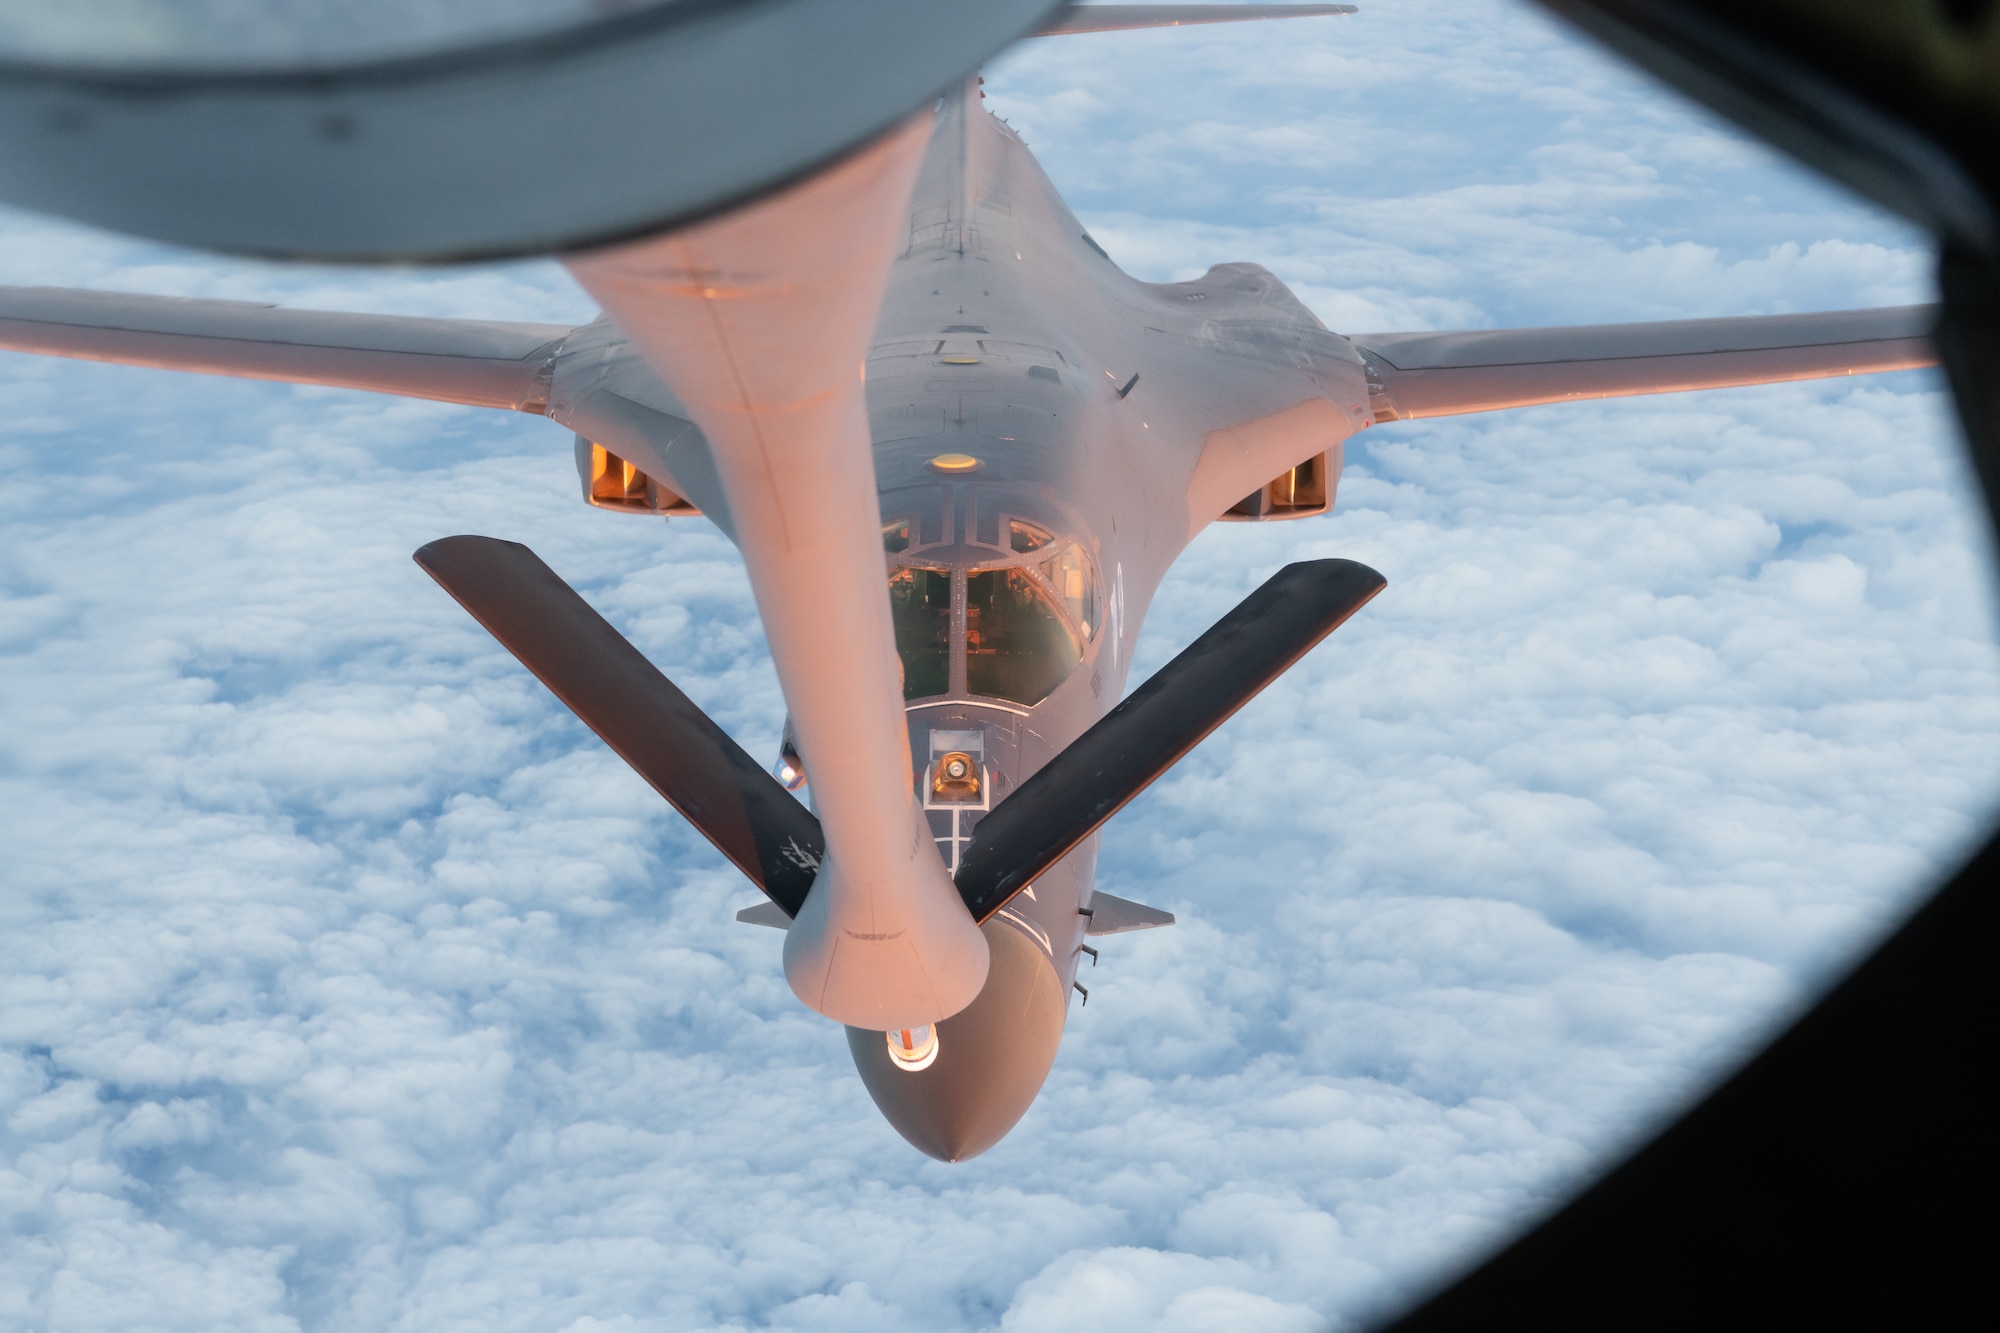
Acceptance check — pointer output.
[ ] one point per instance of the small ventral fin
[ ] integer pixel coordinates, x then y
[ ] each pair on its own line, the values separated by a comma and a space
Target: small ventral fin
1125, 18
1112, 915
765, 914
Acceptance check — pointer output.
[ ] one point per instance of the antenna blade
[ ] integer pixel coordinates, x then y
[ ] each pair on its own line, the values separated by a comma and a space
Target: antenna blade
1074, 793
638, 712
1124, 18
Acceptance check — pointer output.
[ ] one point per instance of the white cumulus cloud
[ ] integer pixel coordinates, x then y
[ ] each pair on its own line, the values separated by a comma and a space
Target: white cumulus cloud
351, 984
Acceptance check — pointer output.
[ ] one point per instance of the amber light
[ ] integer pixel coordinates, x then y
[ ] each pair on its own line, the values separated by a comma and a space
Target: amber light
615, 480
617, 484
956, 463
1297, 492
956, 778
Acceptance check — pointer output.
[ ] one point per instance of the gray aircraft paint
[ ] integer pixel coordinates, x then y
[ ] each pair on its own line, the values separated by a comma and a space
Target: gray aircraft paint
1007, 334
1062, 450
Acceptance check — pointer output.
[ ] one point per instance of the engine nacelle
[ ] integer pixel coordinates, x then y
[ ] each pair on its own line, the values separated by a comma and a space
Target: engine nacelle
610, 482
1299, 492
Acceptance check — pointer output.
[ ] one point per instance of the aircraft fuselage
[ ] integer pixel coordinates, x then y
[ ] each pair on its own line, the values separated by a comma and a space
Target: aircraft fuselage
1033, 497
1048, 435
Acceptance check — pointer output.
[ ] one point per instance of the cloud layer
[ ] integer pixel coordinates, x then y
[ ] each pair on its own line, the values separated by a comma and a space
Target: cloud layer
352, 984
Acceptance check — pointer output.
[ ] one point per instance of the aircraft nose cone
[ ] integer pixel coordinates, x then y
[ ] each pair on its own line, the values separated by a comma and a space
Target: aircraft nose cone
992, 1057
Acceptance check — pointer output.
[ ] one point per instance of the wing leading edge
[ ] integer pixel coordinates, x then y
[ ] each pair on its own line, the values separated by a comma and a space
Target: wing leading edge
508, 365
1445, 374
475, 362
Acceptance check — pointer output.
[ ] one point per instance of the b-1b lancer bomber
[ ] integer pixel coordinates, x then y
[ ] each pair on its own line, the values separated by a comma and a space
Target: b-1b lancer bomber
958, 449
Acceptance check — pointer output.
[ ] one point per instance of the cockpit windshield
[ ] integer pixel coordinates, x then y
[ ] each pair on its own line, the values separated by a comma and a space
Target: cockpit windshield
1018, 646
1023, 536
1069, 575
920, 605
1010, 631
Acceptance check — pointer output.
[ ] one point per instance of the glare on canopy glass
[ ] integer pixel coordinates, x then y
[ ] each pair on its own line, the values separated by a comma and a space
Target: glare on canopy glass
1017, 644
1024, 536
1069, 575
277, 34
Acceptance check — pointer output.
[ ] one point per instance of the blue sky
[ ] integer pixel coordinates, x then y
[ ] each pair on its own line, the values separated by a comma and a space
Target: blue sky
352, 984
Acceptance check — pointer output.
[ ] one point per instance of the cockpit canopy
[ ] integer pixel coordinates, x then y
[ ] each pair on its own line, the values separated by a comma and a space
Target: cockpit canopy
1008, 626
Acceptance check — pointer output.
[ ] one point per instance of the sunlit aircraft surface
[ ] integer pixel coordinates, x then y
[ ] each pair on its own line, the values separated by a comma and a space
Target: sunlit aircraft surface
916, 373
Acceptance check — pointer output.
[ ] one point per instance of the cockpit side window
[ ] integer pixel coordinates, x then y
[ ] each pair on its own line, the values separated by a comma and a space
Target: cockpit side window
1023, 536
1018, 645
920, 606
1069, 575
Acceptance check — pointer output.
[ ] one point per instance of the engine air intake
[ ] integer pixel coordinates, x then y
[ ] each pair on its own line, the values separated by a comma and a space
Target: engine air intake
611, 482
1299, 492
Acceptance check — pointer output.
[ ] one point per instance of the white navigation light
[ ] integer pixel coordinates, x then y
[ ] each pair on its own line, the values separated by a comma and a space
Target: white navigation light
914, 1049
790, 770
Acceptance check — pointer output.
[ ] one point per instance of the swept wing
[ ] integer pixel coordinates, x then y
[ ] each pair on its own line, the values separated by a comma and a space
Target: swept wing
1444, 374
476, 362
491, 363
